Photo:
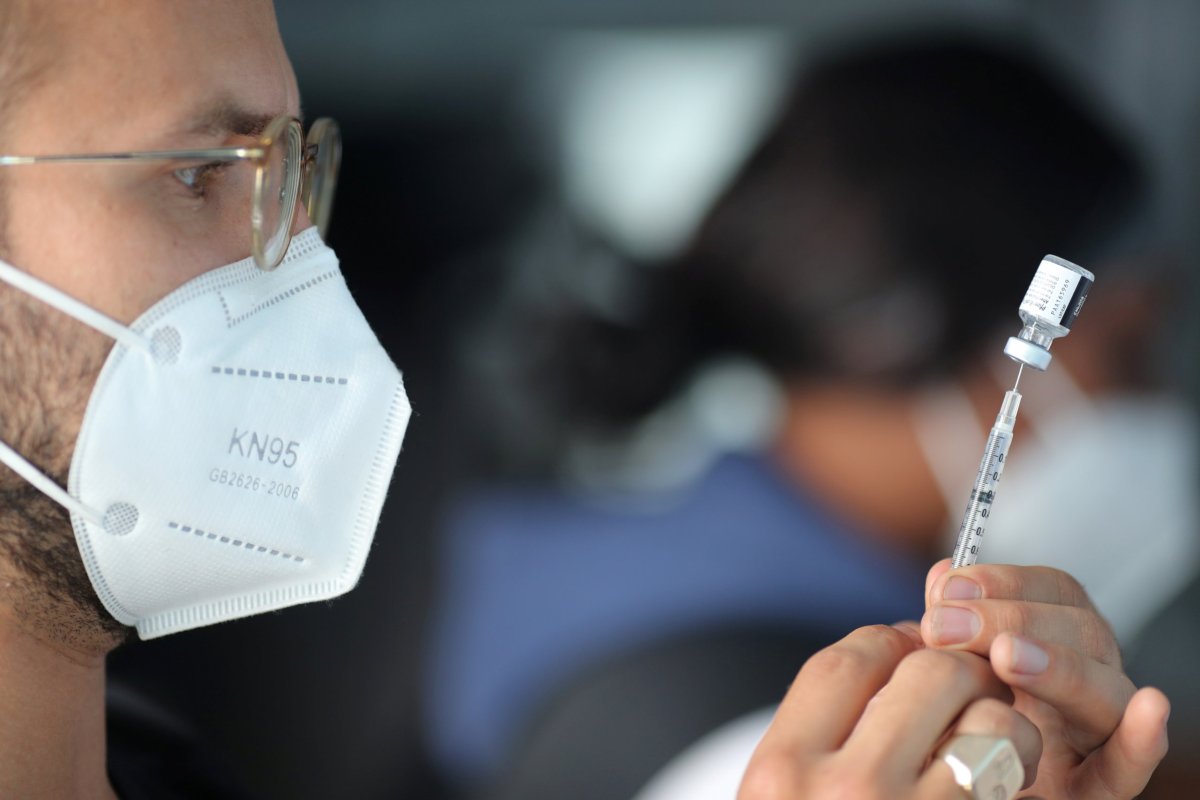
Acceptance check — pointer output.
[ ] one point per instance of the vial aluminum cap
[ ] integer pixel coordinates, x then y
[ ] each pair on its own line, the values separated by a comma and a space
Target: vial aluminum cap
1027, 353
1056, 294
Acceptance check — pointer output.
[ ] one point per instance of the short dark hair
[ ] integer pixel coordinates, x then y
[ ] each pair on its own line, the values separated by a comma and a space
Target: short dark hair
917, 171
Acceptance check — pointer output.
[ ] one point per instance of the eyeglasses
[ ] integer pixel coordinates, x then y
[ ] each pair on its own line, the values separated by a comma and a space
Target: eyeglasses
288, 166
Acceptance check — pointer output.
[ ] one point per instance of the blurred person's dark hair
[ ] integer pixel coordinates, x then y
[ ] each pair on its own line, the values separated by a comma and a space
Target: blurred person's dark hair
889, 221
896, 211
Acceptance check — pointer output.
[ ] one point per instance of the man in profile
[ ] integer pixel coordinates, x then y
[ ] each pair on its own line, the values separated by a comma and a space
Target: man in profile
146, 144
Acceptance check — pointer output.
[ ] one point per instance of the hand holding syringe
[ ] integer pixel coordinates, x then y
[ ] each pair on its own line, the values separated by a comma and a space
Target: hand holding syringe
1050, 307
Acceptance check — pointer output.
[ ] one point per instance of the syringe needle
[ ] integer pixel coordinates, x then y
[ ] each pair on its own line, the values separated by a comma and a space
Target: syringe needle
1020, 370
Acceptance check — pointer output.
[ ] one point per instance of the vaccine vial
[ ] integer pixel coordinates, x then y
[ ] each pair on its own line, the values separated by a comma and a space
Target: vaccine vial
1051, 305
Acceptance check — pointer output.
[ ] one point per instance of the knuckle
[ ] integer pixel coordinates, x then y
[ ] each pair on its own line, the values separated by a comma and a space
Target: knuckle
850, 787
992, 717
841, 778
1041, 584
1070, 591
1070, 677
938, 668
836, 660
777, 775
880, 636
1017, 617
770, 776
1097, 639
859, 652
934, 661
999, 580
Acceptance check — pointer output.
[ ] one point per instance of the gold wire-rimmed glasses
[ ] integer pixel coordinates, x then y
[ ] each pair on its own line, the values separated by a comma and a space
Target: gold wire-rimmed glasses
288, 167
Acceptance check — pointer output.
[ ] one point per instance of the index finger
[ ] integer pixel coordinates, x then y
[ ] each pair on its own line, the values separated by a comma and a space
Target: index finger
833, 688
928, 690
1004, 582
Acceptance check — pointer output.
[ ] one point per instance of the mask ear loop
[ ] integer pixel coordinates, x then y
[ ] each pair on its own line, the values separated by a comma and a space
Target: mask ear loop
18, 464
939, 417
93, 319
73, 308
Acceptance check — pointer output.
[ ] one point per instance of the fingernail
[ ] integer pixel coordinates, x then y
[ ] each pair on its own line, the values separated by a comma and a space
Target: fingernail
961, 589
954, 625
1028, 658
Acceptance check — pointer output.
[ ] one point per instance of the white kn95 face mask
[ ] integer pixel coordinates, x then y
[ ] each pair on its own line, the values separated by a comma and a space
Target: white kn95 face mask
236, 448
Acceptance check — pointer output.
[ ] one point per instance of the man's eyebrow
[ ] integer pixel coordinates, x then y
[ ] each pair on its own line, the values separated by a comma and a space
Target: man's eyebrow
226, 118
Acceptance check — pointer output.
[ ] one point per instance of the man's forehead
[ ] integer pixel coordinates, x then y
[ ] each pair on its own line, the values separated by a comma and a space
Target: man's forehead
186, 67
152, 27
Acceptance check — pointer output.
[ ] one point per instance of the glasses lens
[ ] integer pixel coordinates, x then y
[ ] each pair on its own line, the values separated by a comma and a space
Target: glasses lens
325, 145
276, 196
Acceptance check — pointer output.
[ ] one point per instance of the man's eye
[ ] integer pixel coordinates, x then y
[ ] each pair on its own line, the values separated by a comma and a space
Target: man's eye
197, 178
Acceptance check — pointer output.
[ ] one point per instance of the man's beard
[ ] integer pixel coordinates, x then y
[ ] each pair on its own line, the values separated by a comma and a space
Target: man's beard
48, 365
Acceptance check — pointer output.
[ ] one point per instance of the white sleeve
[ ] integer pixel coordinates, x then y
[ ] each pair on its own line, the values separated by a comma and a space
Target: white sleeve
712, 767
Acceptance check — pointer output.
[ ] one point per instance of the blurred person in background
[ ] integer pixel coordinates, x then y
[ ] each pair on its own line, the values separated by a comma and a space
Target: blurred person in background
769, 436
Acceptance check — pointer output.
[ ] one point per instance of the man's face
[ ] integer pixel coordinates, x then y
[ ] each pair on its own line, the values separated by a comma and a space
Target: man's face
120, 76
140, 75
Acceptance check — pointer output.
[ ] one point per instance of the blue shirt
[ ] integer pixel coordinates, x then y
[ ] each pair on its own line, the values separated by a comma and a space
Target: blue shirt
538, 584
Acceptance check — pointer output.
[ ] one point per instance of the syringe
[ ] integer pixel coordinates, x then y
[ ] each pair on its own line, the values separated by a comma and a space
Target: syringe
1050, 307
995, 454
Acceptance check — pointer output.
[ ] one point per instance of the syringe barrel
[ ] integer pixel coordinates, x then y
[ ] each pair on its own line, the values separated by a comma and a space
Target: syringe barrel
983, 493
